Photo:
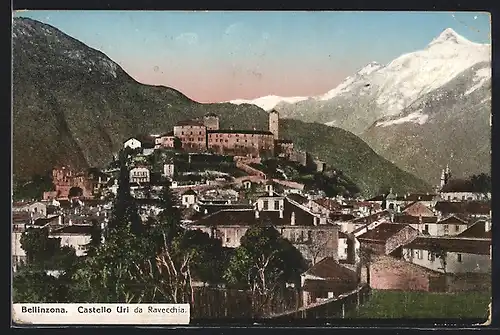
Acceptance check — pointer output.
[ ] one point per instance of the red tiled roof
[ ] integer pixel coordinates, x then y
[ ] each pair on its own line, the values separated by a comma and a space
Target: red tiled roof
342, 217
383, 231
469, 207
371, 218
452, 244
328, 203
329, 268
189, 123
298, 198
247, 217
453, 219
410, 219
477, 230
73, 230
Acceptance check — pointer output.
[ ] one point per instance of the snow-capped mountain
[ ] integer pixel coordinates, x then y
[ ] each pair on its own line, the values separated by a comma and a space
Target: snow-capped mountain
450, 125
376, 90
267, 103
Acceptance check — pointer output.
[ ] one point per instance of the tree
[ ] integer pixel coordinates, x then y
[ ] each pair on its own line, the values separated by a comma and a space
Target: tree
39, 247
75, 192
95, 238
365, 259
34, 285
264, 262
317, 245
125, 210
439, 253
481, 183
177, 143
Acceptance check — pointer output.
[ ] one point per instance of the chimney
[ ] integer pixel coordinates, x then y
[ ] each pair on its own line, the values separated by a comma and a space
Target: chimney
292, 219
270, 190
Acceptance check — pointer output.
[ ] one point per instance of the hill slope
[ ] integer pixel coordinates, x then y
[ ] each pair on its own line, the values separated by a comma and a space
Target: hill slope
72, 104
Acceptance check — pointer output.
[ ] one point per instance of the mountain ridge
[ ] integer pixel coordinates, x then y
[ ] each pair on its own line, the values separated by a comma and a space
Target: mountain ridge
70, 106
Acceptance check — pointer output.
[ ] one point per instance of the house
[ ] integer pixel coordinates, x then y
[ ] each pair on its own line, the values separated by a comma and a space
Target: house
247, 184
387, 237
343, 246
451, 225
75, 236
18, 253
450, 254
418, 208
165, 141
313, 237
389, 273
433, 225
140, 174
168, 170
325, 280
477, 209
464, 196
189, 198
38, 208
480, 229
132, 143
360, 225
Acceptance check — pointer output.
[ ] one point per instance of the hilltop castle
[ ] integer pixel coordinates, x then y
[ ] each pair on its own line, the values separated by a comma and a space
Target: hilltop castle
206, 136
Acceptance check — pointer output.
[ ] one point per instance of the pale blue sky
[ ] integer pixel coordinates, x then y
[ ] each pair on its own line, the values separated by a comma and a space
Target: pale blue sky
217, 56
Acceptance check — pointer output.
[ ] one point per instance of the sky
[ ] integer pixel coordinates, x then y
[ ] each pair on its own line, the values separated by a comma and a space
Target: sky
221, 56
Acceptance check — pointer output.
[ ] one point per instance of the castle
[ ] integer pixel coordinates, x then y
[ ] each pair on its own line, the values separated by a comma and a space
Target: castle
206, 136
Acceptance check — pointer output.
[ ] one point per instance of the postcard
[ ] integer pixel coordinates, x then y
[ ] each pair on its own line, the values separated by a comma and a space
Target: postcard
177, 167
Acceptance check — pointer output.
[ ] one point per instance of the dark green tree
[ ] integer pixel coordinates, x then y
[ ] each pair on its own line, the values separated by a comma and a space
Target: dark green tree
125, 211
481, 183
263, 263
39, 247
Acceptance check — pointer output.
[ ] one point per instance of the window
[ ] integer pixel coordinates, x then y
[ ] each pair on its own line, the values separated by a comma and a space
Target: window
446, 228
309, 235
182, 133
200, 132
276, 205
228, 239
459, 258
430, 256
463, 197
420, 254
266, 204
457, 228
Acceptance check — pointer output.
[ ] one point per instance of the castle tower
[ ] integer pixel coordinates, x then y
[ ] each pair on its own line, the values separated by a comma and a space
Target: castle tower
274, 123
211, 121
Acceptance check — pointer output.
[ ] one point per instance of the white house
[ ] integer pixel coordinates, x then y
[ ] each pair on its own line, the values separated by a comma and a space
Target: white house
38, 208
462, 255
168, 170
464, 196
132, 143
76, 236
139, 174
18, 253
343, 252
448, 226
189, 198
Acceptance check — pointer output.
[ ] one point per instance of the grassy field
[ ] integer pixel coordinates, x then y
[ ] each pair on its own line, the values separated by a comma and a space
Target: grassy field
396, 304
